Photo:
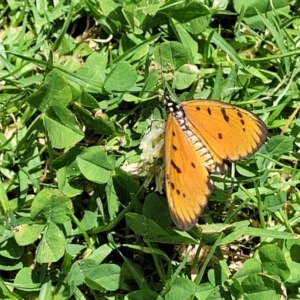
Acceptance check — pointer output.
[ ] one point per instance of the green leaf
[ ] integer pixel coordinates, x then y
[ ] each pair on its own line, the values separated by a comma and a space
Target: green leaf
66, 186
197, 25
273, 261
87, 100
103, 277
121, 78
250, 266
144, 226
251, 8
187, 11
185, 76
10, 249
89, 220
10, 264
107, 277
68, 174
28, 233
295, 273
100, 122
156, 208
95, 165
143, 295
280, 144
204, 290
112, 199
172, 53
153, 232
181, 289
260, 286
93, 70
27, 279
112, 19
55, 91
74, 249
62, 127
51, 205
101, 253
136, 12
124, 184
275, 202
52, 246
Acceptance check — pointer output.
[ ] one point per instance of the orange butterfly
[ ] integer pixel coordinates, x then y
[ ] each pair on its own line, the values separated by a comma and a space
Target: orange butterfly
200, 136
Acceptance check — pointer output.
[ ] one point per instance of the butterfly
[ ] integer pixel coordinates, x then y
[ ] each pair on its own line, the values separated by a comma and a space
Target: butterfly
200, 137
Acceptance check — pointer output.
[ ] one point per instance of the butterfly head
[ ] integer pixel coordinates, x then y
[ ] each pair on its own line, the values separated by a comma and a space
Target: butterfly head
170, 104
175, 109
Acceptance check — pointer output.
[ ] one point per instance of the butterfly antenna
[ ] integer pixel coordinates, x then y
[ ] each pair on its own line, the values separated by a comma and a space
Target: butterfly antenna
161, 70
165, 93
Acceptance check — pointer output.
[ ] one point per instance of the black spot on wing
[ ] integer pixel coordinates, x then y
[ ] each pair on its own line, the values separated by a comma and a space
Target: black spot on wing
225, 116
178, 170
220, 136
209, 111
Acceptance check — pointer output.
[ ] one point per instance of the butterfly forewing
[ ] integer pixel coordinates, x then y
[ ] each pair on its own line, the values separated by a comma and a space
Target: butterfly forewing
228, 132
188, 185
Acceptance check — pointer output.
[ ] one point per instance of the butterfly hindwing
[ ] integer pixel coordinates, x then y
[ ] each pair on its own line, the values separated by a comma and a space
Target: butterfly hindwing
188, 184
228, 132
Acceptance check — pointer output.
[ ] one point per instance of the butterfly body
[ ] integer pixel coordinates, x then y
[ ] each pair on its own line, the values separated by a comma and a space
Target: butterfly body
200, 137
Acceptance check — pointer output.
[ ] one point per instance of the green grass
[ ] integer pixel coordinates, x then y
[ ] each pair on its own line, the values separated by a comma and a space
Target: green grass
83, 209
